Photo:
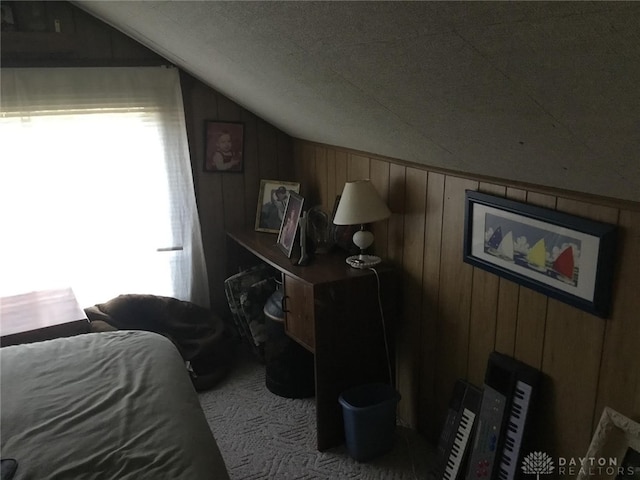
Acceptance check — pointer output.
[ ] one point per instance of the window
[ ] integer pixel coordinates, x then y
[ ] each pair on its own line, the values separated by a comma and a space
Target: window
95, 185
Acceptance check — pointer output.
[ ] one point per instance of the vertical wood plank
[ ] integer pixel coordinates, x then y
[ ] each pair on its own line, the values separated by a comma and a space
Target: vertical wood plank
427, 421
285, 159
380, 180
532, 308
267, 151
300, 153
571, 356
395, 243
341, 170
358, 167
232, 183
572, 353
508, 295
408, 353
532, 314
305, 169
484, 300
396, 221
332, 188
252, 165
455, 294
619, 372
319, 195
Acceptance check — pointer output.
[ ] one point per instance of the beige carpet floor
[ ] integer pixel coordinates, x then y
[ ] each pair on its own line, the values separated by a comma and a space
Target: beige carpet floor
264, 436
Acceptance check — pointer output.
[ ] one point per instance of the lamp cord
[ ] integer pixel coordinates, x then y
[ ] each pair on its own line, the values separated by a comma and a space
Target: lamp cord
386, 347
384, 327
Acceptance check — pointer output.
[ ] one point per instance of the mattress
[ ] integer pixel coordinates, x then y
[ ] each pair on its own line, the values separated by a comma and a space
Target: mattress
112, 405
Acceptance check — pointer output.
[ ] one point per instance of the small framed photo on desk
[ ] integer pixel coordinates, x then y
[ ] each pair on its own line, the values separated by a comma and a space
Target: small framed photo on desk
272, 201
289, 227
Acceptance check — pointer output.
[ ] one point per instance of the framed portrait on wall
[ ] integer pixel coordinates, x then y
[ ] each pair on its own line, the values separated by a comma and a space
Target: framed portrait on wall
224, 142
287, 235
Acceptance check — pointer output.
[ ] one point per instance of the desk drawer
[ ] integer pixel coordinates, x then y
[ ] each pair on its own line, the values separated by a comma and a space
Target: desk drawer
298, 318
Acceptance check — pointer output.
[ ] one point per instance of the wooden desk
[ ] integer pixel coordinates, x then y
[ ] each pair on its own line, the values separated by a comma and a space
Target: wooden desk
43, 315
332, 310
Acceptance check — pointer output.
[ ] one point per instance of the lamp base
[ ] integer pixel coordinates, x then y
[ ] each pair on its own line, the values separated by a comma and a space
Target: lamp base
363, 261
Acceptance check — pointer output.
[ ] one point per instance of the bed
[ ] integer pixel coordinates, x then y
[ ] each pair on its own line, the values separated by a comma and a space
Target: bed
111, 405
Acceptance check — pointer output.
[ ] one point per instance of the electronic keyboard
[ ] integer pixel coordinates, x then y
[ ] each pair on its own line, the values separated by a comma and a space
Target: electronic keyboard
458, 430
520, 412
506, 405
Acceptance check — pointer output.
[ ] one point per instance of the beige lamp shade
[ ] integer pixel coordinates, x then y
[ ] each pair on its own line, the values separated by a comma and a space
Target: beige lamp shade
360, 203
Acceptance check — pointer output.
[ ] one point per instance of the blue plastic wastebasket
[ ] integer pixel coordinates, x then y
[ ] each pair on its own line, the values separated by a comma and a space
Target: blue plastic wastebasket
369, 413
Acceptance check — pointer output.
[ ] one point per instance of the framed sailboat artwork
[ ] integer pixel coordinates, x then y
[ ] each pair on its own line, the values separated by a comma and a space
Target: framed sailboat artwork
562, 256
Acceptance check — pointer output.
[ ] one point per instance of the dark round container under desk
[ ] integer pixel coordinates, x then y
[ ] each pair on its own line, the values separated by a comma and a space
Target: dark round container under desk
289, 367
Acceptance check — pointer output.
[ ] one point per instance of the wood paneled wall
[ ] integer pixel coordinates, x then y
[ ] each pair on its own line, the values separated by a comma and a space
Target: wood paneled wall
229, 200
454, 315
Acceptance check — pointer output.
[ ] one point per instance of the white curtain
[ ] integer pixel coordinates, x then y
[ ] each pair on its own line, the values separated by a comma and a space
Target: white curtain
96, 190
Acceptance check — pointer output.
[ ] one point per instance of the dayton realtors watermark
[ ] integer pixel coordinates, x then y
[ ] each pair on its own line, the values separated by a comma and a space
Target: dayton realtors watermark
592, 466
540, 463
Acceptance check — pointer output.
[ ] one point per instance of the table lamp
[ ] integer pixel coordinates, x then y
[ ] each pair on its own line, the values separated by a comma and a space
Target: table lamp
360, 204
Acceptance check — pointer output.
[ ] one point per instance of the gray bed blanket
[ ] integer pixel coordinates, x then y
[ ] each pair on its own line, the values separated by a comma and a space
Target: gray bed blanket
113, 405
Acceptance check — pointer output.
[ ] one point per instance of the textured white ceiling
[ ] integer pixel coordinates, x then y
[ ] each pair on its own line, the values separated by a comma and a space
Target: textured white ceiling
541, 92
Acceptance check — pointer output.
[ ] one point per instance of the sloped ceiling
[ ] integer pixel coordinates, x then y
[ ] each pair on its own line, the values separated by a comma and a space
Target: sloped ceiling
541, 92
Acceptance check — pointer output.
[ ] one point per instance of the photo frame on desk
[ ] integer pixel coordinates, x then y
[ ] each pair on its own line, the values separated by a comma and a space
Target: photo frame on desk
562, 256
272, 201
289, 227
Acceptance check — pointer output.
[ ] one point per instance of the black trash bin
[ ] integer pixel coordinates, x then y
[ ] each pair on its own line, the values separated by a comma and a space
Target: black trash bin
369, 413
289, 368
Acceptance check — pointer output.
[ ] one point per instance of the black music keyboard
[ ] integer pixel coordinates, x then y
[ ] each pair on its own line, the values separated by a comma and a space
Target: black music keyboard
450, 424
506, 406
520, 411
459, 447
458, 430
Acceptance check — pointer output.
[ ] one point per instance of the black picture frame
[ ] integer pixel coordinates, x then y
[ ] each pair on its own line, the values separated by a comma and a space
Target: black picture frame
289, 227
563, 256
224, 147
